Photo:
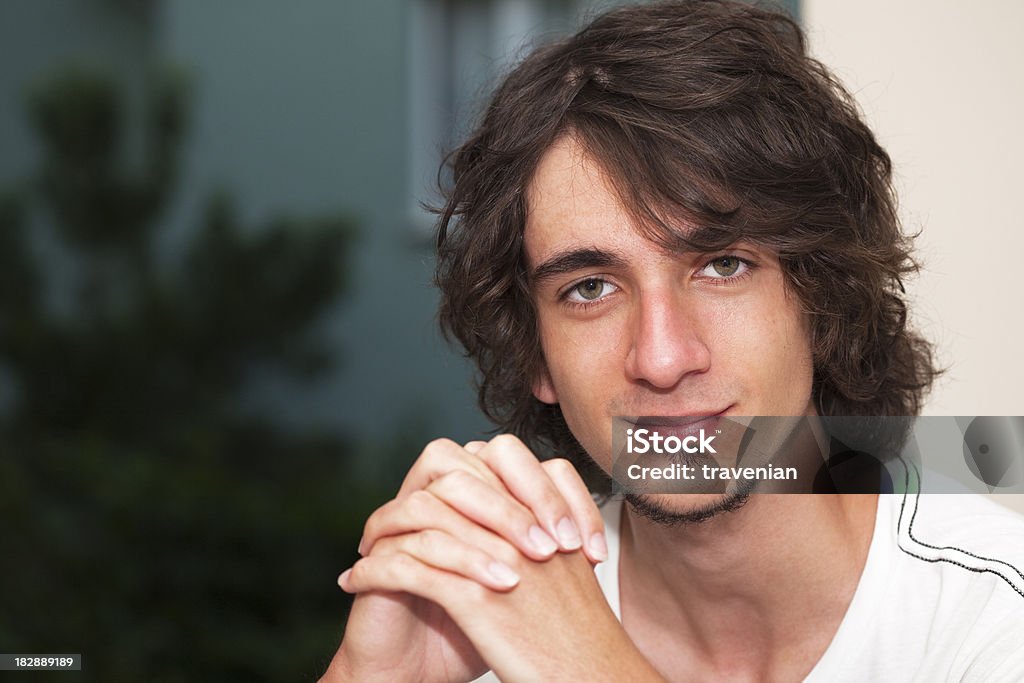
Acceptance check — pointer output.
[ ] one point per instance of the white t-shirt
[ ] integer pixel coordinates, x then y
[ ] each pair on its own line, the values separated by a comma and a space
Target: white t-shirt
941, 597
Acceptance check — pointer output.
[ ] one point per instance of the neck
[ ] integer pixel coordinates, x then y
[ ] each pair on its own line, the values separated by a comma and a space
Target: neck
772, 579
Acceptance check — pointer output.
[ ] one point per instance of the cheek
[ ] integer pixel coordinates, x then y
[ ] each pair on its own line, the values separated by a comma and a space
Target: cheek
580, 352
783, 360
586, 366
762, 343
582, 358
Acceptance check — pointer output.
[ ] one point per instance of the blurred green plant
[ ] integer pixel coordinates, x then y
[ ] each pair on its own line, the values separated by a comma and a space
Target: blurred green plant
153, 520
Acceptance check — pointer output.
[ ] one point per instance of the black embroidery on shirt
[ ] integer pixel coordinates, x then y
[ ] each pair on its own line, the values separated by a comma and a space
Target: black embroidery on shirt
910, 533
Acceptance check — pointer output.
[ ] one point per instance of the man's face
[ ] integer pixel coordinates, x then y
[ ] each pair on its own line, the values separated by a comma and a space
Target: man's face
629, 328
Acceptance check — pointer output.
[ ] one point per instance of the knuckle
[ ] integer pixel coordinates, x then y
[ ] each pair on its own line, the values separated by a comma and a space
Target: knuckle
384, 546
372, 524
521, 517
359, 571
451, 480
468, 556
506, 442
419, 502
407, 572
429, 539
401, 565
559, 466
436, 447
459, 476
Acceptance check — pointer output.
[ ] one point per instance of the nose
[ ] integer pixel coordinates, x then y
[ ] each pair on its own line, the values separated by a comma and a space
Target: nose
667, 343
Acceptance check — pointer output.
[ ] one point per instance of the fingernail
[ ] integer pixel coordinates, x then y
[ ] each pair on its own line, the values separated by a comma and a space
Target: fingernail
502, 574
541, 542
359, 548
344, 577
568, 534
598, 547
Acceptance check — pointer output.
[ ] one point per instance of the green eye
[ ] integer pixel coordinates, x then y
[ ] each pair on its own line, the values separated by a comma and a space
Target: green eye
590, 289
726, 266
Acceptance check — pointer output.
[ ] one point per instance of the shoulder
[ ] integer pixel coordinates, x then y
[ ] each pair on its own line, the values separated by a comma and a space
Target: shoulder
959, 582
943, 592
965, 516
963, 533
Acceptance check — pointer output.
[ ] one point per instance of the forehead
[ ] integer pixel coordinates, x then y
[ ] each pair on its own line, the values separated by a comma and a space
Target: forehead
571, 200
572, 204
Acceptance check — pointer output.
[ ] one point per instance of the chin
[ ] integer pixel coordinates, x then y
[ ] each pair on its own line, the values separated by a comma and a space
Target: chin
678, 509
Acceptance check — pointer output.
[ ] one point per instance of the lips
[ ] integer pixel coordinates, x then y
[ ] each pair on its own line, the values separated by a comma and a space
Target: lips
681, 420
682, 425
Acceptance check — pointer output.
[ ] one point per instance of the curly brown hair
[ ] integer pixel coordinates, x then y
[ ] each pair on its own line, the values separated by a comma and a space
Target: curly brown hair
706, 113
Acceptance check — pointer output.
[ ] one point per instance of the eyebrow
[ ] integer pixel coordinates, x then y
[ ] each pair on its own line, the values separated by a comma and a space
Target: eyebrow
573, 260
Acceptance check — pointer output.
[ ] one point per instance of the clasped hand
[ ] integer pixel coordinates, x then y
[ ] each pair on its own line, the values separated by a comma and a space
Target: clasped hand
482, 561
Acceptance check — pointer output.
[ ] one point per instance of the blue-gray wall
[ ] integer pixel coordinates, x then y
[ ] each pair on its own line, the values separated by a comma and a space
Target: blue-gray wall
300, 107
306, 111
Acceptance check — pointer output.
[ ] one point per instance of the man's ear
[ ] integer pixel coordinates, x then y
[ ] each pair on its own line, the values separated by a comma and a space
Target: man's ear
543, 387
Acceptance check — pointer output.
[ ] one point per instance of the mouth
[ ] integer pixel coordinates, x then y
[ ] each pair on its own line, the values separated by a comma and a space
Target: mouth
691, 432
682, 425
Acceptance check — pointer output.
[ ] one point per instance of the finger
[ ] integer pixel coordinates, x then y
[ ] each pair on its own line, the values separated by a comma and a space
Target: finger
440, 457
404, 573
525, 479
588, 518
441, 550
496, 511
474, 446
424, 510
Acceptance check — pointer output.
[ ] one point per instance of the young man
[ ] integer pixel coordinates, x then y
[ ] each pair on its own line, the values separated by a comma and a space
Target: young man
675, 213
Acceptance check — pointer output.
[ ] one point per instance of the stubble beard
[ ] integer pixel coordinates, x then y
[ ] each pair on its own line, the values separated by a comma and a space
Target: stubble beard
651, 509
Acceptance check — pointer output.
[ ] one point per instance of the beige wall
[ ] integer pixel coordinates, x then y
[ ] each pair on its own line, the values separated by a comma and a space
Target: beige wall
942, 84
